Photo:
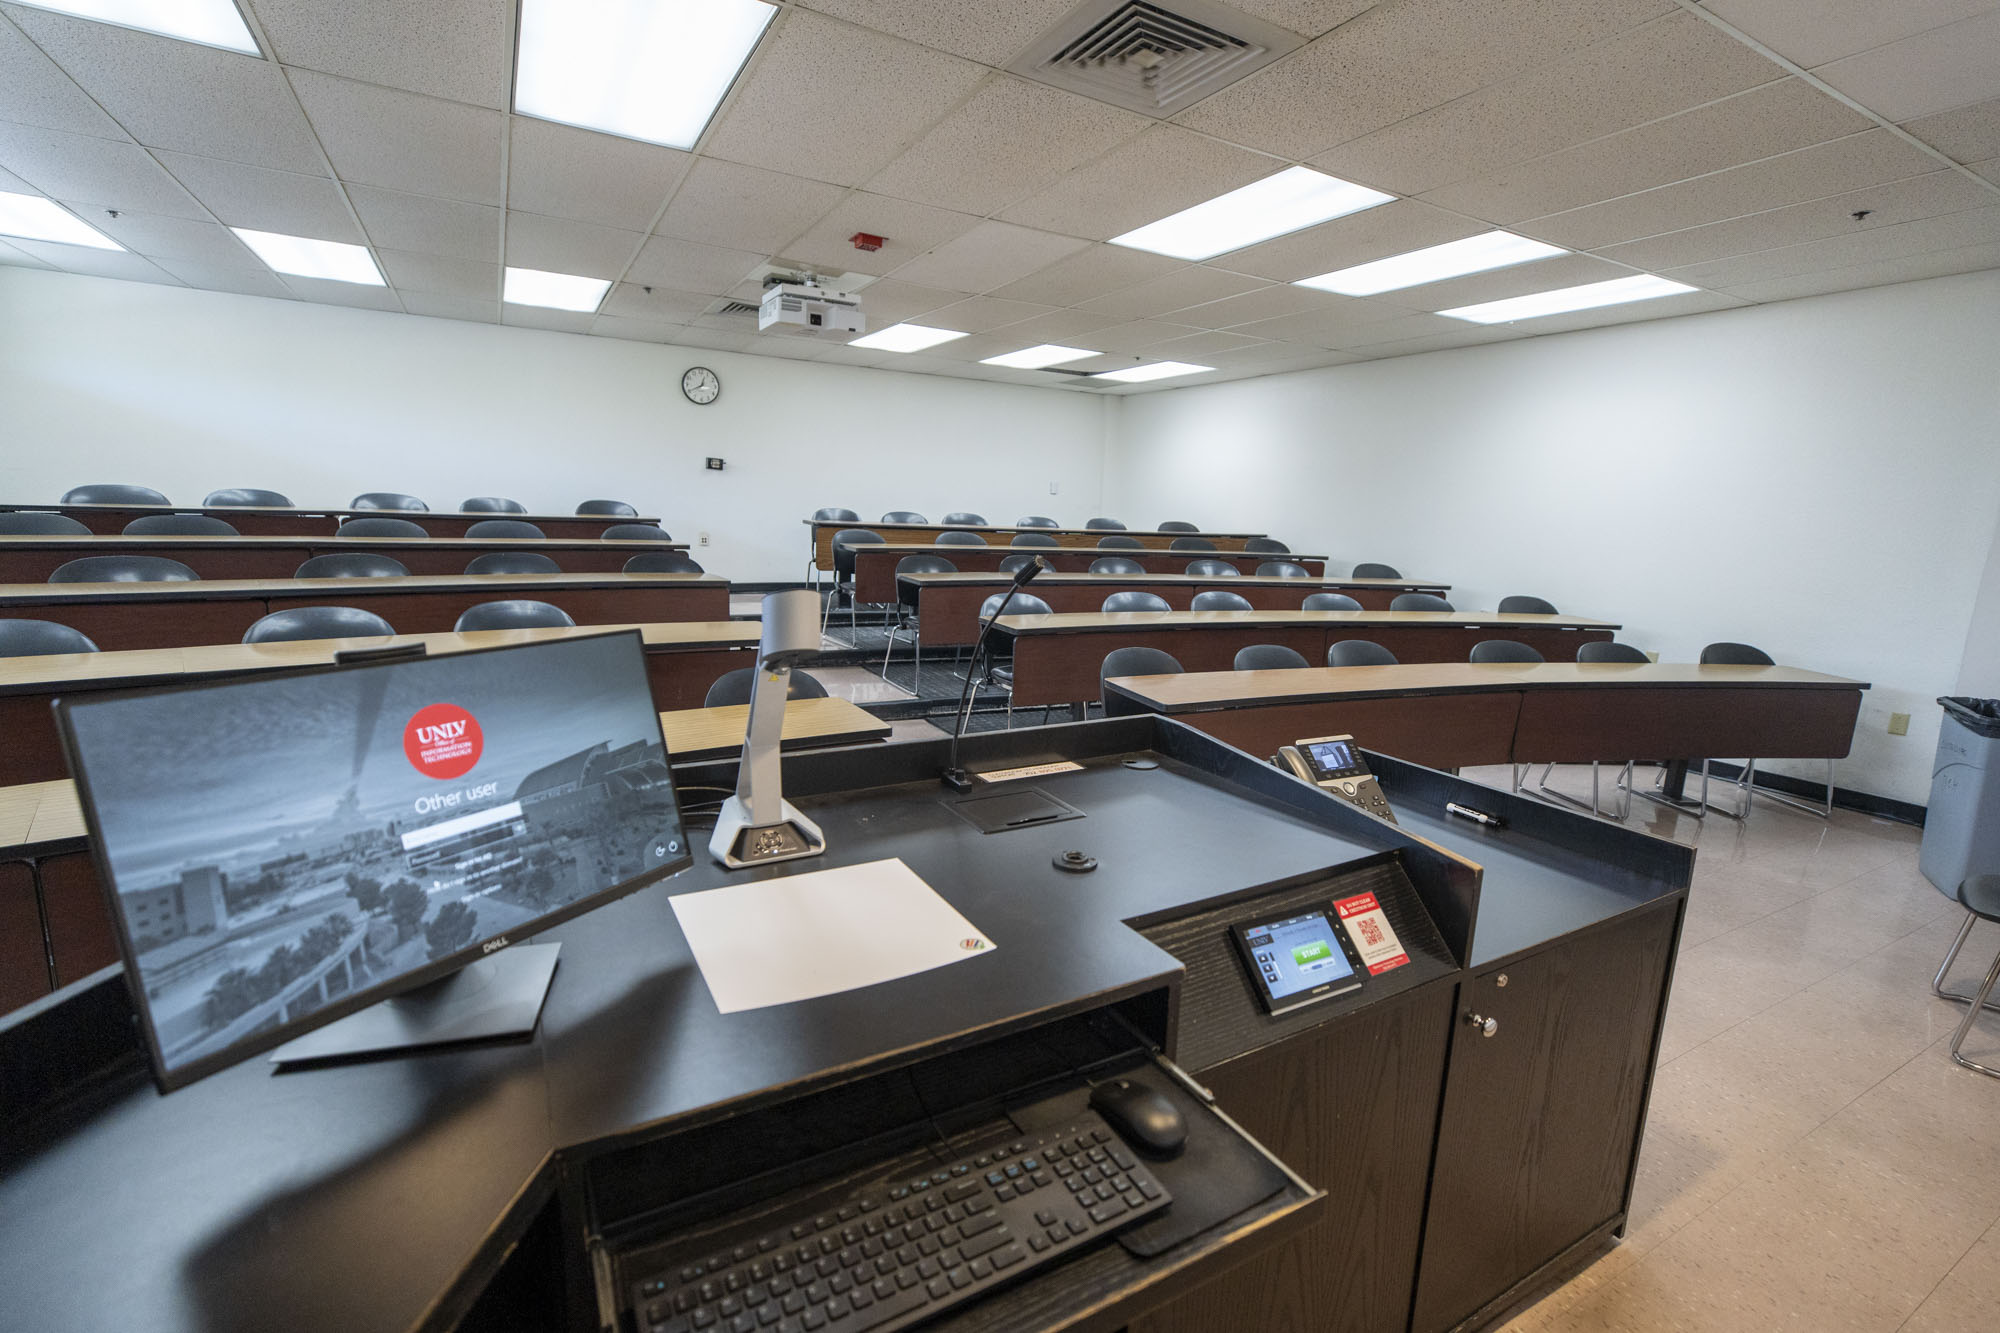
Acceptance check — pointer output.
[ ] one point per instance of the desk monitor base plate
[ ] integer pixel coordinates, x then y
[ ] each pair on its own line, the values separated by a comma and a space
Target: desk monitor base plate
498, 996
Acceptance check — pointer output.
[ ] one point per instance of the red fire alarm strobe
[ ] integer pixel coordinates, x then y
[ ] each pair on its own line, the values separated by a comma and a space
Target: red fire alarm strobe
863, 241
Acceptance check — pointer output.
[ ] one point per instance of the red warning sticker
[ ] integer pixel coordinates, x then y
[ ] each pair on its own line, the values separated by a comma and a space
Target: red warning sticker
1368, 926
442, 741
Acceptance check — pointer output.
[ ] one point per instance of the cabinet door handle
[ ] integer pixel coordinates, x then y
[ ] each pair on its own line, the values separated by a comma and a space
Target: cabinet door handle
1487, 1026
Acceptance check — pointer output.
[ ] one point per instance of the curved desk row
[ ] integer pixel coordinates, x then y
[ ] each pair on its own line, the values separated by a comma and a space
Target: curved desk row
875, 566
924, 533
108, 520
30, 559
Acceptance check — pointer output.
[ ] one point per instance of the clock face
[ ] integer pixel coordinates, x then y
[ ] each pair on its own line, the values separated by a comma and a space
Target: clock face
701, 385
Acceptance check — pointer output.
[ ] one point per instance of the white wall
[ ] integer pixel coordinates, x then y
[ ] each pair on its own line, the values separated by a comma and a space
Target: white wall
1819, 477
1979, 671
187, 391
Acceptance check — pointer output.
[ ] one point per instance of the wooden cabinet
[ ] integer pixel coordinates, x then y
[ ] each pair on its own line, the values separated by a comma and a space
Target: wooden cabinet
1543, 1103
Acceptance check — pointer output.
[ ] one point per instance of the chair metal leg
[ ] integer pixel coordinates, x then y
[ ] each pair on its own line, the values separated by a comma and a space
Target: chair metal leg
1696, 809
1743, 786
1824, 809
1596, 805
1937, 982
1978, 1002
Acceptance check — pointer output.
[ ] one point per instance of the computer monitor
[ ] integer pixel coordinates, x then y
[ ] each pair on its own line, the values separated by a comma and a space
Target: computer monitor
282, 851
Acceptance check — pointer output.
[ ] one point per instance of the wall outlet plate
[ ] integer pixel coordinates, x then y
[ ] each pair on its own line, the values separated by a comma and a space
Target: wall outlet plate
1899, 724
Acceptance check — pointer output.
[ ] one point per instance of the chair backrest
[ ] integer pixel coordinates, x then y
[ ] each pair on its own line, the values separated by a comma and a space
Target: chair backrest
1367, 570
1419, 601
389, 500
1606, 650
179, 525
904, 516
1217, 600
1033, 539
662, 562
960, 539
112, 494
1118, 543
492, 504
1190, 544
1213, 569
1329, 601
30, 523
1135, 601
962, 518
1735, 654
512, 614
636, 532
833, 514
1266, 546
1359, 652
1283, 569
1503, 650
1105, 524
317, 622
1268, 657
380, 527
41, 638
124, 569
1176, 525
612, 509
1522, 605
514, 562
1010, 564
735, 687
506, 528
1136, 662
1024, 604
246, 497
1036, 521
1116, 564
844, 542
925, 564
353, 565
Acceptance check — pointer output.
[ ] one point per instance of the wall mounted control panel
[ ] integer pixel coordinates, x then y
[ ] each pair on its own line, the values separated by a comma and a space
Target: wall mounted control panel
1334, 764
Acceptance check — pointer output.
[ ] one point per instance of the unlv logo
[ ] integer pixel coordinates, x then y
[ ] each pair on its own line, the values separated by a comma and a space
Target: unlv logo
442, 741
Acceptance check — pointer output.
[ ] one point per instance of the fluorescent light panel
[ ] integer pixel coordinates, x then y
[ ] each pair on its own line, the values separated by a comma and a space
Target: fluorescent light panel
905, 338
1039, 357
1638, 287
554, 291
1453, 259
303, 257
210, 22
33, 218
1158, 370
1296, 197
643, 69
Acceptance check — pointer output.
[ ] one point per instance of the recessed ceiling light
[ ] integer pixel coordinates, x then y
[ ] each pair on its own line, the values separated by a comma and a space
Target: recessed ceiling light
556, 291
1453, 259
1158, 370
303, 257
1039, 357
33, 218
905, 338
1294, 198
643, 69
210, 22
1638, 287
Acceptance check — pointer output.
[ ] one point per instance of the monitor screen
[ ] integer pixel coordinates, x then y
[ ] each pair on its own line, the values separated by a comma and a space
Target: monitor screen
1332, 758
282, 850
1298, 959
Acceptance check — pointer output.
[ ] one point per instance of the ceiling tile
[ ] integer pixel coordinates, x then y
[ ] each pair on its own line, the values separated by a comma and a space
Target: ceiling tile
1394, 228
1398, 59
1919, 76
725, 203
1463, 335
1191, 286
159, 236
1329, 326
1087, 273
19, 258
440, 306
35, 91
564, 172
457, 49
379, 136
798, 109
1265, 303
1637, 312
424, 225
1668, 66
1544, 275
98, 263
981, 313
1137, 334
1763, 122
96, 171
630, 300
1198, 347
181, 95
466, 278
690, 267
1949, 232
976, 29
1401, 329
1910, 268
908, 229
555, 321
559, 245
248, 279
988, 256
1924, 196
325, 291
1012, 138
1143, 179
1989, 169
1308, 18
1969, 134
1060, 326
245, 196
1848, 163
633, 330
1812, 32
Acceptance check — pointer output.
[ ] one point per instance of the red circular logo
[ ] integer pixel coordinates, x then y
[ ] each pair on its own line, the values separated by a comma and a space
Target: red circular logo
442, 741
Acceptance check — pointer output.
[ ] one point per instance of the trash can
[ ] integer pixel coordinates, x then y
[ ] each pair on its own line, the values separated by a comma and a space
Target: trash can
1962, 824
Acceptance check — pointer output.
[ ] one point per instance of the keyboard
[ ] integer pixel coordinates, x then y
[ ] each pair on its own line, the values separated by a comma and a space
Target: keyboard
897, 1251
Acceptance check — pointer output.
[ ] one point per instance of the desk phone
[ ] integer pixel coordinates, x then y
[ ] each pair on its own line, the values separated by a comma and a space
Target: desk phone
1334, 764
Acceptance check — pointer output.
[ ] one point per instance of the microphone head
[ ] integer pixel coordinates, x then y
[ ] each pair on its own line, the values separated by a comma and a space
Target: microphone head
1026, 573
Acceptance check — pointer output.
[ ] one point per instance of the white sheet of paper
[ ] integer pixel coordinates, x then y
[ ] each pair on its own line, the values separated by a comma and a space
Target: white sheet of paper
775, 941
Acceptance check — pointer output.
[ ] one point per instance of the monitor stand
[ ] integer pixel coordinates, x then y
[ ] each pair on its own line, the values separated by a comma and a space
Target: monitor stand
498, 996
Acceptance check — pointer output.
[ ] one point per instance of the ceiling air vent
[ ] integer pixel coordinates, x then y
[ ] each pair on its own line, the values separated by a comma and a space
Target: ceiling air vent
1151, 58
736, 308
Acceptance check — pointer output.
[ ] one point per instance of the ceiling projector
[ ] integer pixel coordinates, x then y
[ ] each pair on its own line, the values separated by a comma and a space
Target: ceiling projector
807, 308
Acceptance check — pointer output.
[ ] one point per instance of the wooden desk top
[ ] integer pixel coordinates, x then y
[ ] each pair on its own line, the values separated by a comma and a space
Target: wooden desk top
1222, 582
228, 589
140, 543
313, 511
39, 812
1207, 691
1086, 622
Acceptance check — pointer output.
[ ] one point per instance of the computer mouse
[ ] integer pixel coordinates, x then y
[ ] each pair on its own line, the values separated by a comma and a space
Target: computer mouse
1146, 1118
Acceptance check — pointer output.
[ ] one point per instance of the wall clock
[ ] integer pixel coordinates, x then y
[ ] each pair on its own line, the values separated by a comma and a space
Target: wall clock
701, 385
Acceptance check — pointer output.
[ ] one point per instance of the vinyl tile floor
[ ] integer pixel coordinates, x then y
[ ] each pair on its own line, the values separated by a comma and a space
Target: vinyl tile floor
1812, 1158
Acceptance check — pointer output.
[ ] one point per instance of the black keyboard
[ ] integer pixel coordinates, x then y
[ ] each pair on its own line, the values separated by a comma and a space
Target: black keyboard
894, 1252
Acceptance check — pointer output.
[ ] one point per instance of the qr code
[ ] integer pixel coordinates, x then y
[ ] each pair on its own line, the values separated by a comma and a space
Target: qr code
1371, 931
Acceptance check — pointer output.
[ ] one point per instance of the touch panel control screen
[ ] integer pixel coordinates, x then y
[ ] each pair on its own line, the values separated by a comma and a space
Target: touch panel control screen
1297, 959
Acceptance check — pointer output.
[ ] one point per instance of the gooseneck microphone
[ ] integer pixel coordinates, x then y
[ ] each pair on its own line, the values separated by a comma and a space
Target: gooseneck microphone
955, 777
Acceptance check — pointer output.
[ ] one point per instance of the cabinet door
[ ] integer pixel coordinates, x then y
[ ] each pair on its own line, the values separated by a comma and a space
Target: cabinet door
1541, 1116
